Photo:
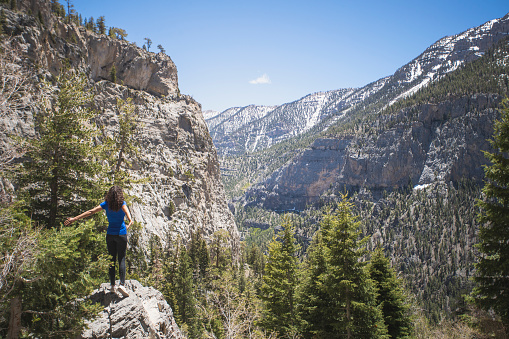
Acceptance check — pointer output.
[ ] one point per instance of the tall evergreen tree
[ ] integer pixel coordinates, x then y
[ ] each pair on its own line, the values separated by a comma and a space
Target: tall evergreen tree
184, 293
59, 179
280, 282
101, 26
123, 147
492, 269
313, 300
113, 74
91, 25
391, 297
338, 282
70, 10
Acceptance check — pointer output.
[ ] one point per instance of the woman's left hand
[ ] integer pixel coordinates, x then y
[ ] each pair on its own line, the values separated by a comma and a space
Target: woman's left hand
69, 221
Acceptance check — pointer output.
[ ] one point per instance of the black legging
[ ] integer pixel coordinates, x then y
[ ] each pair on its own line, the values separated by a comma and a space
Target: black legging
117, 245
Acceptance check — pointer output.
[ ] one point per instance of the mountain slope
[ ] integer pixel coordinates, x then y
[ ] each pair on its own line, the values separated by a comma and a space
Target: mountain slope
368, 158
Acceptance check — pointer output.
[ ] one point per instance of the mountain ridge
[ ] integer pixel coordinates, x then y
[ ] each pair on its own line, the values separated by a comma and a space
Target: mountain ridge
440, 59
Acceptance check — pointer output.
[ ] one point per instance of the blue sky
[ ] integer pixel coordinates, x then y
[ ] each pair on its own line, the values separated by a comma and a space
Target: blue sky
237, 53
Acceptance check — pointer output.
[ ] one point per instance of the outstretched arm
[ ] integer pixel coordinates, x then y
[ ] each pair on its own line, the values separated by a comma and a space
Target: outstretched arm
83, 215
128, 214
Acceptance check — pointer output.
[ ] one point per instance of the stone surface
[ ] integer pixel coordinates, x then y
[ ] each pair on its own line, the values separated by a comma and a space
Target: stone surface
177, 153
142, 314
445, 143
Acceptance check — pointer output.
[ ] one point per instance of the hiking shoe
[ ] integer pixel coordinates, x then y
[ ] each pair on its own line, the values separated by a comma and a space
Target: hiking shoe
112, 288
122, 290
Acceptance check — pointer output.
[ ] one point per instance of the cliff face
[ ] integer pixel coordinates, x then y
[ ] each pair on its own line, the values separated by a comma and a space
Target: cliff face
444, 143
177, 153
49, 43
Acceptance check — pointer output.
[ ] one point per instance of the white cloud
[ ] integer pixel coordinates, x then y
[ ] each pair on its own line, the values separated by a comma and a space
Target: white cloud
264, 79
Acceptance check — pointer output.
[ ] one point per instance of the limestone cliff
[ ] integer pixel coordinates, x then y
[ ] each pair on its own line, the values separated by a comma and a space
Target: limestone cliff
177, 151
444, 143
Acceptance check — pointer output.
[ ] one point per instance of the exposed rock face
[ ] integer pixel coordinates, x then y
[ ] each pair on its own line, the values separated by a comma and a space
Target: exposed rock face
178, 157
185, 192
135, 67
143, 314
444, 143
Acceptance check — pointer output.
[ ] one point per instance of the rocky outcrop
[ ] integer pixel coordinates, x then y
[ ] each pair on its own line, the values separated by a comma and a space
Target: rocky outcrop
51, 42
142, 314
184, 192
445, 142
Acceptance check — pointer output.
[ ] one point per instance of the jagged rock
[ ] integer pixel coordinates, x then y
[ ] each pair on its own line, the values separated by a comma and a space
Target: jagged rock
185, 192
143, 314
445, 143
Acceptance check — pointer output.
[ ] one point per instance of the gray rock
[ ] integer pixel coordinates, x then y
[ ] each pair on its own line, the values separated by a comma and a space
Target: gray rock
446, 142
177, 153
143, 314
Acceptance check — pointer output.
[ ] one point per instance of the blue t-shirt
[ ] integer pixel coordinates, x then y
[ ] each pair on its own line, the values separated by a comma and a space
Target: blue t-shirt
115, 220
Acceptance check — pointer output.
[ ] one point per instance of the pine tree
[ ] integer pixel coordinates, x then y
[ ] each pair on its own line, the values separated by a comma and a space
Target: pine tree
91, 25
70, 10
161, 48
198, 252
71, 262
184, 293
123, 147
492, 268
313, 299
280, 282
113, 74
391, 297
148, 43
59, 179
101, 27
342, 296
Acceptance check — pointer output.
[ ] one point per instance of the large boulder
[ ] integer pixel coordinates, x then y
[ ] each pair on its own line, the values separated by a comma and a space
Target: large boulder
143, 314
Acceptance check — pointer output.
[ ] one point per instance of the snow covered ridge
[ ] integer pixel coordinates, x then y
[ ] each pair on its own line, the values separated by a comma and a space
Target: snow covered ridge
448, 54
252, 128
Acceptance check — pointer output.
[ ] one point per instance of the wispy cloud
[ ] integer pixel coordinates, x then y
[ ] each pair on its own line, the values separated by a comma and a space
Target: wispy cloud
264, 79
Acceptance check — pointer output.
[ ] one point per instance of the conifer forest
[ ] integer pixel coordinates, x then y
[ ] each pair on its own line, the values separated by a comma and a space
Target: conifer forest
414, 261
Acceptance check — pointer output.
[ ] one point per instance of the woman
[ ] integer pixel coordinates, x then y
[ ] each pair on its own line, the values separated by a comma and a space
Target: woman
116, 235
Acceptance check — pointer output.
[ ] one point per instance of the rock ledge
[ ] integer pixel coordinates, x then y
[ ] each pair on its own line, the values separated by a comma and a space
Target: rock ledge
143, 314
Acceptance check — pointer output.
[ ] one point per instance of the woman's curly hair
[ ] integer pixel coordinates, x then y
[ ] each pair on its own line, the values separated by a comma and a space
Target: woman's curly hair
115, 198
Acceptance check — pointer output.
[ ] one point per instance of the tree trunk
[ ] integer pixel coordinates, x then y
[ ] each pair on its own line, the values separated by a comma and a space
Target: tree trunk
15, 319
53, 207
348, 330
